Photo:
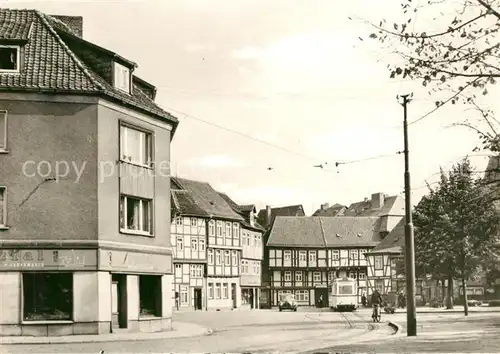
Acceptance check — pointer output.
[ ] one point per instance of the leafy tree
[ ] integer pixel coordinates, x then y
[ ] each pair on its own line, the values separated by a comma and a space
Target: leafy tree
457, 227
462, 56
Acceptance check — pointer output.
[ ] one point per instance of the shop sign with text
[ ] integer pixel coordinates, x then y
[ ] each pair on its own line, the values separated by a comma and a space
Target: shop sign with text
135, 262
44, 259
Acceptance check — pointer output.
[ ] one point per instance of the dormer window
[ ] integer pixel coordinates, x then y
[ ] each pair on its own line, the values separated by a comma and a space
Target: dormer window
122, 78
9, 58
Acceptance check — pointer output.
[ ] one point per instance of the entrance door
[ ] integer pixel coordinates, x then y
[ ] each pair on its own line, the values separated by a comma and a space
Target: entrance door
321, 297
233, 294
197, 299
118, 301
251, 300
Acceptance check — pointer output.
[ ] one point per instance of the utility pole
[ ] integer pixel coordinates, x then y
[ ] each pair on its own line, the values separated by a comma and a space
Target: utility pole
411, 313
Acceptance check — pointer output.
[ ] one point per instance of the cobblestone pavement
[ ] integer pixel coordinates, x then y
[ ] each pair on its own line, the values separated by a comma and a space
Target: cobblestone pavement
256, 331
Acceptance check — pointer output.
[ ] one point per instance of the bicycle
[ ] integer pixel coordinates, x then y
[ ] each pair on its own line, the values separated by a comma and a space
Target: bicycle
376, 315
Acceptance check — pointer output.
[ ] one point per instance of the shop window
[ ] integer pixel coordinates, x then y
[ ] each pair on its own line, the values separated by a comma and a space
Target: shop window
150, 295
47, 296
184, 295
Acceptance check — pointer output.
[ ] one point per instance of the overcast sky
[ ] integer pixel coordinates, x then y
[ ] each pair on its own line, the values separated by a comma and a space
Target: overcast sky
290, 73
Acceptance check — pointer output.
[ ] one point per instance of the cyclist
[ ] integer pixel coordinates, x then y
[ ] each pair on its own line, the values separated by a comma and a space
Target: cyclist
377, 301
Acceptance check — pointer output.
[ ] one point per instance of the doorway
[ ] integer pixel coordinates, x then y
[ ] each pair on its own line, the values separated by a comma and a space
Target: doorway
197, 299
321, 297
118, 301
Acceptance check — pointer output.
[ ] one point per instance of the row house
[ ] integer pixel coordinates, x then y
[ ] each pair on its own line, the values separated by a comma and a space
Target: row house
252, 243
307, 253
207, 256
266, 217
85, 247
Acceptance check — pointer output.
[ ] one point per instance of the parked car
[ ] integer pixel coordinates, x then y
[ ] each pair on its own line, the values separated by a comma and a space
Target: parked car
474, 303
287, 302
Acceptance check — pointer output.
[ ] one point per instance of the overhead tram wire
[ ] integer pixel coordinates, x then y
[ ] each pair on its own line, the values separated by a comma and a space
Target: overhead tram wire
310, 158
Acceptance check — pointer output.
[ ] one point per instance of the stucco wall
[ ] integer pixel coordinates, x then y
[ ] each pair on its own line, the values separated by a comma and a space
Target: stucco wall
44, 133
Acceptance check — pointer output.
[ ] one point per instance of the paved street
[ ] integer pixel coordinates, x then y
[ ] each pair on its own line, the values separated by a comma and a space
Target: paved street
269, 330
257, 331
438, 332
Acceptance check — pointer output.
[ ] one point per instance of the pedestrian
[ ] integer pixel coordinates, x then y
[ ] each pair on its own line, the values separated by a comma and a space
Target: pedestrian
320, 301
363, 300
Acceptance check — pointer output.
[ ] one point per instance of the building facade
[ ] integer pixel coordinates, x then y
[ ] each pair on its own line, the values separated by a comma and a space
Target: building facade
307, 253
85, 248
252, 243
208, 247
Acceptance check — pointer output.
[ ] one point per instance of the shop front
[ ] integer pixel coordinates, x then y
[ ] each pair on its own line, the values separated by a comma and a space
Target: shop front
51, 292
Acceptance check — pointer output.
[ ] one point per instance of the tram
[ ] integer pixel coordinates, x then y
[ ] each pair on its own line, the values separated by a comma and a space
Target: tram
343, 294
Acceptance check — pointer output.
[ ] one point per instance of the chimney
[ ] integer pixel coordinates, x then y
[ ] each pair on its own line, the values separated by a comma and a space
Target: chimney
268, 216
75, 23
377, 200
325, 206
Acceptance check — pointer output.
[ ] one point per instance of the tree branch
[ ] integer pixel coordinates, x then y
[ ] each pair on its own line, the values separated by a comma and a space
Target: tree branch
490, 9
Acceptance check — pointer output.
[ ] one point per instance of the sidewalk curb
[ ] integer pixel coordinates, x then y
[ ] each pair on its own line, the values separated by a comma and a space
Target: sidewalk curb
121, 337
396, 327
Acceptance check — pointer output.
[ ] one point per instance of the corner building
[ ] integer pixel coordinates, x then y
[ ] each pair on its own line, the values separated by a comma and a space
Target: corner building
84, 185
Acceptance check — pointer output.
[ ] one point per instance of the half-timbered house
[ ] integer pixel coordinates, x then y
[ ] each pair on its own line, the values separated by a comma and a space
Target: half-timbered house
306, 253
252, 254
206, 235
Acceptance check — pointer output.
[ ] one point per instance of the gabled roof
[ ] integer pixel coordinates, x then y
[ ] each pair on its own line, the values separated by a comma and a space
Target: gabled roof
334, 210
244, 211
393, 205
291, 210
351, 231
203, 199
184, 204
53, 62
315, 231
394, 242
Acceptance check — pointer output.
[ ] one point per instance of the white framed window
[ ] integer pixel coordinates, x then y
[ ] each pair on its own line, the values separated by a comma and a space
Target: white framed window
335, 255
184, 295
353, 275
236, 230
234, 255
211, 228
3, 130
225, 292
362, 254
228, 229
192, 270
312, 256
194, 244
379, 263
287, 255
288, 276
194, 222
217, 290
179, 243
136, 146
258, 267
302, 295
331, 276
210, 290
3, 206
362, 275
202, 245
136, 215
196, 271
10, 56
317, 276
219, 228
254, 267
353, 254
298, 276
302, 256
178, 221
210, 256
244, 238
122, 77
227, 258
218, 259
